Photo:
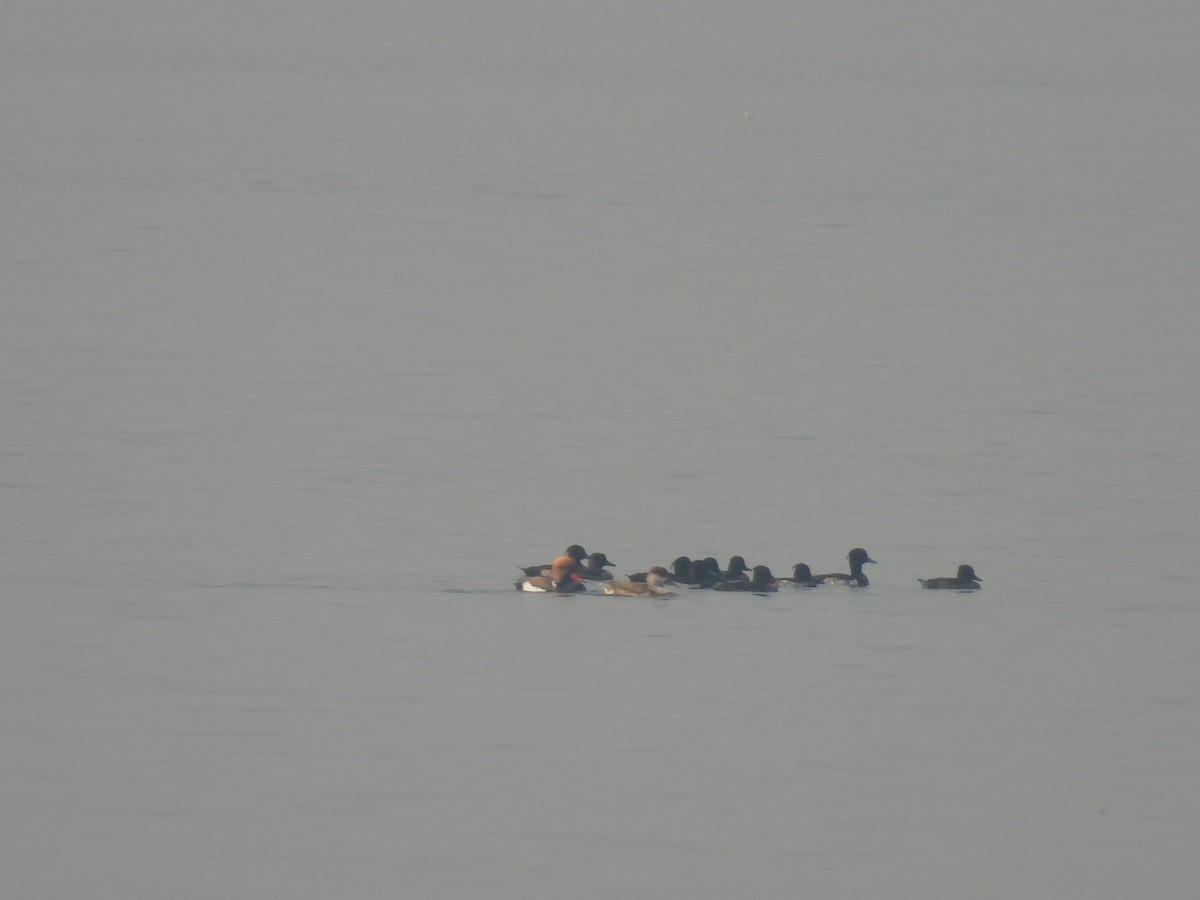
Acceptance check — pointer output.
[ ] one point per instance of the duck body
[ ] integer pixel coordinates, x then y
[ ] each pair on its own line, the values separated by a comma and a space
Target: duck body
563, 579
802, 576
655, 585
965, 580
544, 584
857, 578
761, 581
681, 570
592, 568
737, 571
705, 573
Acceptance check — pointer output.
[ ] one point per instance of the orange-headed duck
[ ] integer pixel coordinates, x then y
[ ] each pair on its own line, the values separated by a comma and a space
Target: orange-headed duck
563, 579
856, 578
965, 580
576, 553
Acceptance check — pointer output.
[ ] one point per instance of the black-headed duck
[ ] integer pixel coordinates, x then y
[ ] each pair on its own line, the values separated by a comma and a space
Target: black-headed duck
681, 570
705, 573
761, 582
737, 570
592, 568
856, 578
802, 576
965, 580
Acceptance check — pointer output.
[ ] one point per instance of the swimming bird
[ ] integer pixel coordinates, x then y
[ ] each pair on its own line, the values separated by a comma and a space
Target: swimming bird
654, 585
593, 567
856, 578
705, 573
802, 576
681, 570
761, 582
737, 569
563, 579
576, 553
965, 580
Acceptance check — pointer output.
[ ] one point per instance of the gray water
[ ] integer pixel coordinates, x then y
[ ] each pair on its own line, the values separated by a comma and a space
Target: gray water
319, 321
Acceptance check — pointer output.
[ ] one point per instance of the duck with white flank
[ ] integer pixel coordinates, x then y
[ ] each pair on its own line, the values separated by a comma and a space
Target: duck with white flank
965, 580
856, 578
563, 579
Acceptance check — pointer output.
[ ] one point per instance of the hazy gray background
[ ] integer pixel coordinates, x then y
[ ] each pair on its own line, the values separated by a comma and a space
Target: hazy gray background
318, 321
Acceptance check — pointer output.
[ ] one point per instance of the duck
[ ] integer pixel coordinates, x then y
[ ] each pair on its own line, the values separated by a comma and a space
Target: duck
575, 551
563, 579
965, 580
705, 573
654, 585
737, 569
592, 568
856, 578
802, 576
761, 582
681, 570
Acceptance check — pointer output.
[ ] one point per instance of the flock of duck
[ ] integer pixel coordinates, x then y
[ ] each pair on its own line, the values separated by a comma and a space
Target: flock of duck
571, 572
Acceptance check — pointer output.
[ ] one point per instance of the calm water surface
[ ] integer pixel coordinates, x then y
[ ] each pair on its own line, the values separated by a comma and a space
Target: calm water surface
316, 328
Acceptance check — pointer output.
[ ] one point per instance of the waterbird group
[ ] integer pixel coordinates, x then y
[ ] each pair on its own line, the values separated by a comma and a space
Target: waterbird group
571, 572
